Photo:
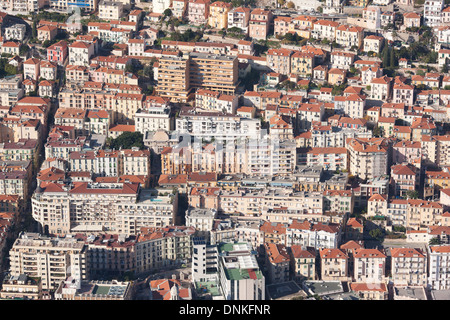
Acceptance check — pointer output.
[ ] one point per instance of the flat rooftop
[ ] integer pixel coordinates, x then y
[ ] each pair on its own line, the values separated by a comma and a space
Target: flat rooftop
323, 287
284, 290
417, 293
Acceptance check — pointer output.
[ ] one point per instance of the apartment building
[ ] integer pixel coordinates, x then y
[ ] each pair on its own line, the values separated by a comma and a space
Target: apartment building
334, 264
111, 207
342, 60
279, 60
110, 10
408, 267
260, 23
213, 72
302, 63
368, 157
277, 262
50, 259
239, 18
239, 275
349, 36
198, 11
405, 177
218, 15
369, 265
80, 53
58, 52
438, 267
179, 8
325, 29
403, 93
406, 151
315, 235
21, 287
15, 32
380, 88
303, 261
31, 69
159, 248
432, 12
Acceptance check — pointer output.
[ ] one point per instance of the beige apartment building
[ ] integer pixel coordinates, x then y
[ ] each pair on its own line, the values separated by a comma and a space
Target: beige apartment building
95, 207
174, 79
51, 260
368, 157
408, 267
214, 72
334, 264
21, 287
159, 248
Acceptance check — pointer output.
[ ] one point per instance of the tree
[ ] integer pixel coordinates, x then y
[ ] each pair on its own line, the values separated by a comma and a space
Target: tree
376, 234
291, 5
391, 58
34, 29
444, 68
127, 140
377, 131
412, 194
167, 13
385, 54
434, 241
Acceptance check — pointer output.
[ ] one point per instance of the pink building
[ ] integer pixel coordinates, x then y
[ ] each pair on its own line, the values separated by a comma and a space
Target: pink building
198, 11
407, 151
259, 24
57, 52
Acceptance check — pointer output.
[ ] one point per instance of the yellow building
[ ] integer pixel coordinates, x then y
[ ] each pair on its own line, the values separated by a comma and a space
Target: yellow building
302, 63
218, 14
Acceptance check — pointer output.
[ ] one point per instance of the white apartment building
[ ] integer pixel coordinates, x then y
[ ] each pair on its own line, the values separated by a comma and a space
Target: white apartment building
380, 88
439, 267
159, 6
52, 260
215, 101
15, 32
408, 267
110, 10
219, 126
342, 60
316, 235
325, 29
200, 219
239, 18
369, 265
94, 207
432, 12
134, 162
80, 53
239, 275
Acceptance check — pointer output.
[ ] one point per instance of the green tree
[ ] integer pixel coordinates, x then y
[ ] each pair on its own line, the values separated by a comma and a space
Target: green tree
34, 29
434, 241
392, 59
385, 54
444, 68
127, 140
376, 234
167, 13
412, 194
377, 132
